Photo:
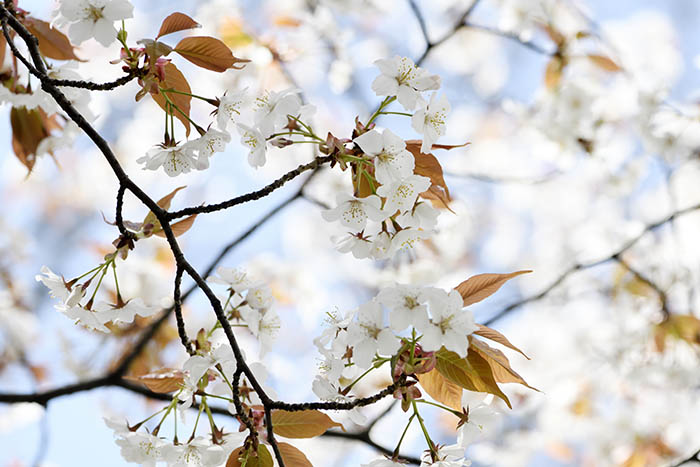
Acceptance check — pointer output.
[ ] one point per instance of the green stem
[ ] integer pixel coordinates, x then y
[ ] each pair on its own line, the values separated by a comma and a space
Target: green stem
373, 367
396, 113
89, 272
173, 105
175, 91
99, 282
431, 445
405, 430
388, 100
453, 411
196, 422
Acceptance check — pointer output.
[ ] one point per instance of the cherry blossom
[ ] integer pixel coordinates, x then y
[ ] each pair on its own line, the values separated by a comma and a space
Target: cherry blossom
449, 325
230, 107
407, 304
271, 109
400, 77
369, 335
238, 279
401, 195
423, 215
391, 159
56, 284
128, 311
92, 18
429, 120
264, 324
354, 212
175, 160
255, 141
211, 142
447, 456
198, 452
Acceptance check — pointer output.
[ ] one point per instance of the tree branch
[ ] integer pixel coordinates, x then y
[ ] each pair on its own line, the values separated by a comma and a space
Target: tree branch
581, 266
252, 196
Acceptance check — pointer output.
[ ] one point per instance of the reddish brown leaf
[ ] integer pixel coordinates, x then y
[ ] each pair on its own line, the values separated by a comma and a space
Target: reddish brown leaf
496, 336
500, 366
301, 424
293, 457
164, 203
28, 131
176, 22
52, 42
179, 227
162, 381
427, 165
472, 373
441, 389
478, 287
155, 49
605, 63
208, 52
174, 79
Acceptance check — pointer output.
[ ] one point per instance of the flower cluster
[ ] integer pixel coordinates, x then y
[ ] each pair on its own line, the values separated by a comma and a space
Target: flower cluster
388, 216
351, 344
249, 301
90, 314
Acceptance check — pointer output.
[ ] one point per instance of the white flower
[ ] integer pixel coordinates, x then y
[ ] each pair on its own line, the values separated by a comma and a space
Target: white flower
406, 240
55, 284
407, 305
197, 365
197, 453
449, 324
255, 140
354, 212
401, 195
128, 312
325, 390
392, 161
238, 279
93, 18
369, 335
423, 216
447, 456
482, 419
212, 141
358, 245
174, 160
402, 78
259, 297
91, 319
141, 448
429, 121
263, 324
381, 246
230, 106
271, 109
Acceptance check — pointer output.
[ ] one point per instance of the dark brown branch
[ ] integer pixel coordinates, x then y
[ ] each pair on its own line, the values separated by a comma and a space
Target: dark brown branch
653, 285
178, 313
131, 74
255, 195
